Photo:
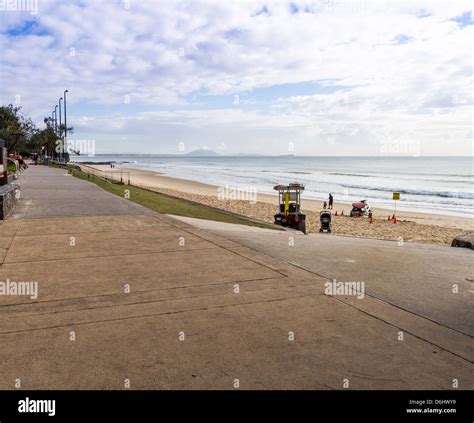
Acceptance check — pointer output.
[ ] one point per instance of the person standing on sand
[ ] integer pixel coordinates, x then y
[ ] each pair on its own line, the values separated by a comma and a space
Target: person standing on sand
324, 205
330, 200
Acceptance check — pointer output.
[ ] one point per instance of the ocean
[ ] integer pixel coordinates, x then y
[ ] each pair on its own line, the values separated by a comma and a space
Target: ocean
428, 184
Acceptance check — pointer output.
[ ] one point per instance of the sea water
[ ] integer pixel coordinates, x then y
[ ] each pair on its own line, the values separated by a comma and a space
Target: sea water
430, 184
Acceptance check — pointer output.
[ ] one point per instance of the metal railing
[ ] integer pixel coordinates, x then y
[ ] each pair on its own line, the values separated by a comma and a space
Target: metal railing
114, 175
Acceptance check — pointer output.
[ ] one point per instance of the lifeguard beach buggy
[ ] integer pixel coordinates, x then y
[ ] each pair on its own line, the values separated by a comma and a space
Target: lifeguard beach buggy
360, 208
289, 199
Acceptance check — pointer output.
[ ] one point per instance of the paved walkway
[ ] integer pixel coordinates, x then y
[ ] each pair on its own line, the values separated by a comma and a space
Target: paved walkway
50, 193
415, 277
129, 295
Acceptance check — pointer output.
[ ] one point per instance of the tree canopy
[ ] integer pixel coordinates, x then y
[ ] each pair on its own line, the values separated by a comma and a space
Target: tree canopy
15, 128
23, 136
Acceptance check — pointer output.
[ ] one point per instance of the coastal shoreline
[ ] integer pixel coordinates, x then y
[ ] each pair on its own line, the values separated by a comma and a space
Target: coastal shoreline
411, 226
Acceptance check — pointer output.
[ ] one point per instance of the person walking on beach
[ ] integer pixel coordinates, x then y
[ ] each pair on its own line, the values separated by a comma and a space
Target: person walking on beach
330, 201
324, 205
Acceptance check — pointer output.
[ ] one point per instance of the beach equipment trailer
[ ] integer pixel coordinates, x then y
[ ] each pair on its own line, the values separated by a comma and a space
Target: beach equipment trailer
325, 220
360, 208
289, 199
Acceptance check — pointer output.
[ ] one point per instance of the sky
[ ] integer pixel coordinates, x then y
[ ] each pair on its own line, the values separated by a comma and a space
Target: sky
236, 76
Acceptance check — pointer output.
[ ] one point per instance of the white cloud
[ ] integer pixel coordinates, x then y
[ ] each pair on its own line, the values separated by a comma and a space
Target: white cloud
161, 53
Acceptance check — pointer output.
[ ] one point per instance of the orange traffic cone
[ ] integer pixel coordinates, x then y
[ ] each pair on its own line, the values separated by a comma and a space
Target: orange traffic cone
394, 220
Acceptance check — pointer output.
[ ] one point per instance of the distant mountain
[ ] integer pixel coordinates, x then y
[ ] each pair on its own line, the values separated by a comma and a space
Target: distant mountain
202, 152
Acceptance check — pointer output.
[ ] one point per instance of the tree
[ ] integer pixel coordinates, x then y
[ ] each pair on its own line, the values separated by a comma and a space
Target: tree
21, 134
44, 141
15, 128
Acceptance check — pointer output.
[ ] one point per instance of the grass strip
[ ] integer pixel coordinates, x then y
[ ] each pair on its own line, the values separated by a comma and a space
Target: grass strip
165, 204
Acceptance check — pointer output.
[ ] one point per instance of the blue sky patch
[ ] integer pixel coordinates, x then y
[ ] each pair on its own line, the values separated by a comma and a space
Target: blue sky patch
263, 11
402, 39
464, 20
26, 28
263, 96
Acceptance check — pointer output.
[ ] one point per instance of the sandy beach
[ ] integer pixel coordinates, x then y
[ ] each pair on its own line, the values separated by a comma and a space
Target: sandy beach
411, 226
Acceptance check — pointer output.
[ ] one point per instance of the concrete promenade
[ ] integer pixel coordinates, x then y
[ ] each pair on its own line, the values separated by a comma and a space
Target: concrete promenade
129, 297
418, 278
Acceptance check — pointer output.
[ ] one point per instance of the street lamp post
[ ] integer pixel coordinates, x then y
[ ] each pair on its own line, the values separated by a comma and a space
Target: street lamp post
65, 120
56, 118
53, 123
65, 123
60, 130
60, 120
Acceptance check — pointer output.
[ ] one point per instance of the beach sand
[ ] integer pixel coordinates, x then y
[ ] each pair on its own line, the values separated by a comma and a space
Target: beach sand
411, 226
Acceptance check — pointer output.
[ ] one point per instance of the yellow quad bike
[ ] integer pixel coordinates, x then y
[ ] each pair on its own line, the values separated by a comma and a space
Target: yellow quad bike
289, 198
